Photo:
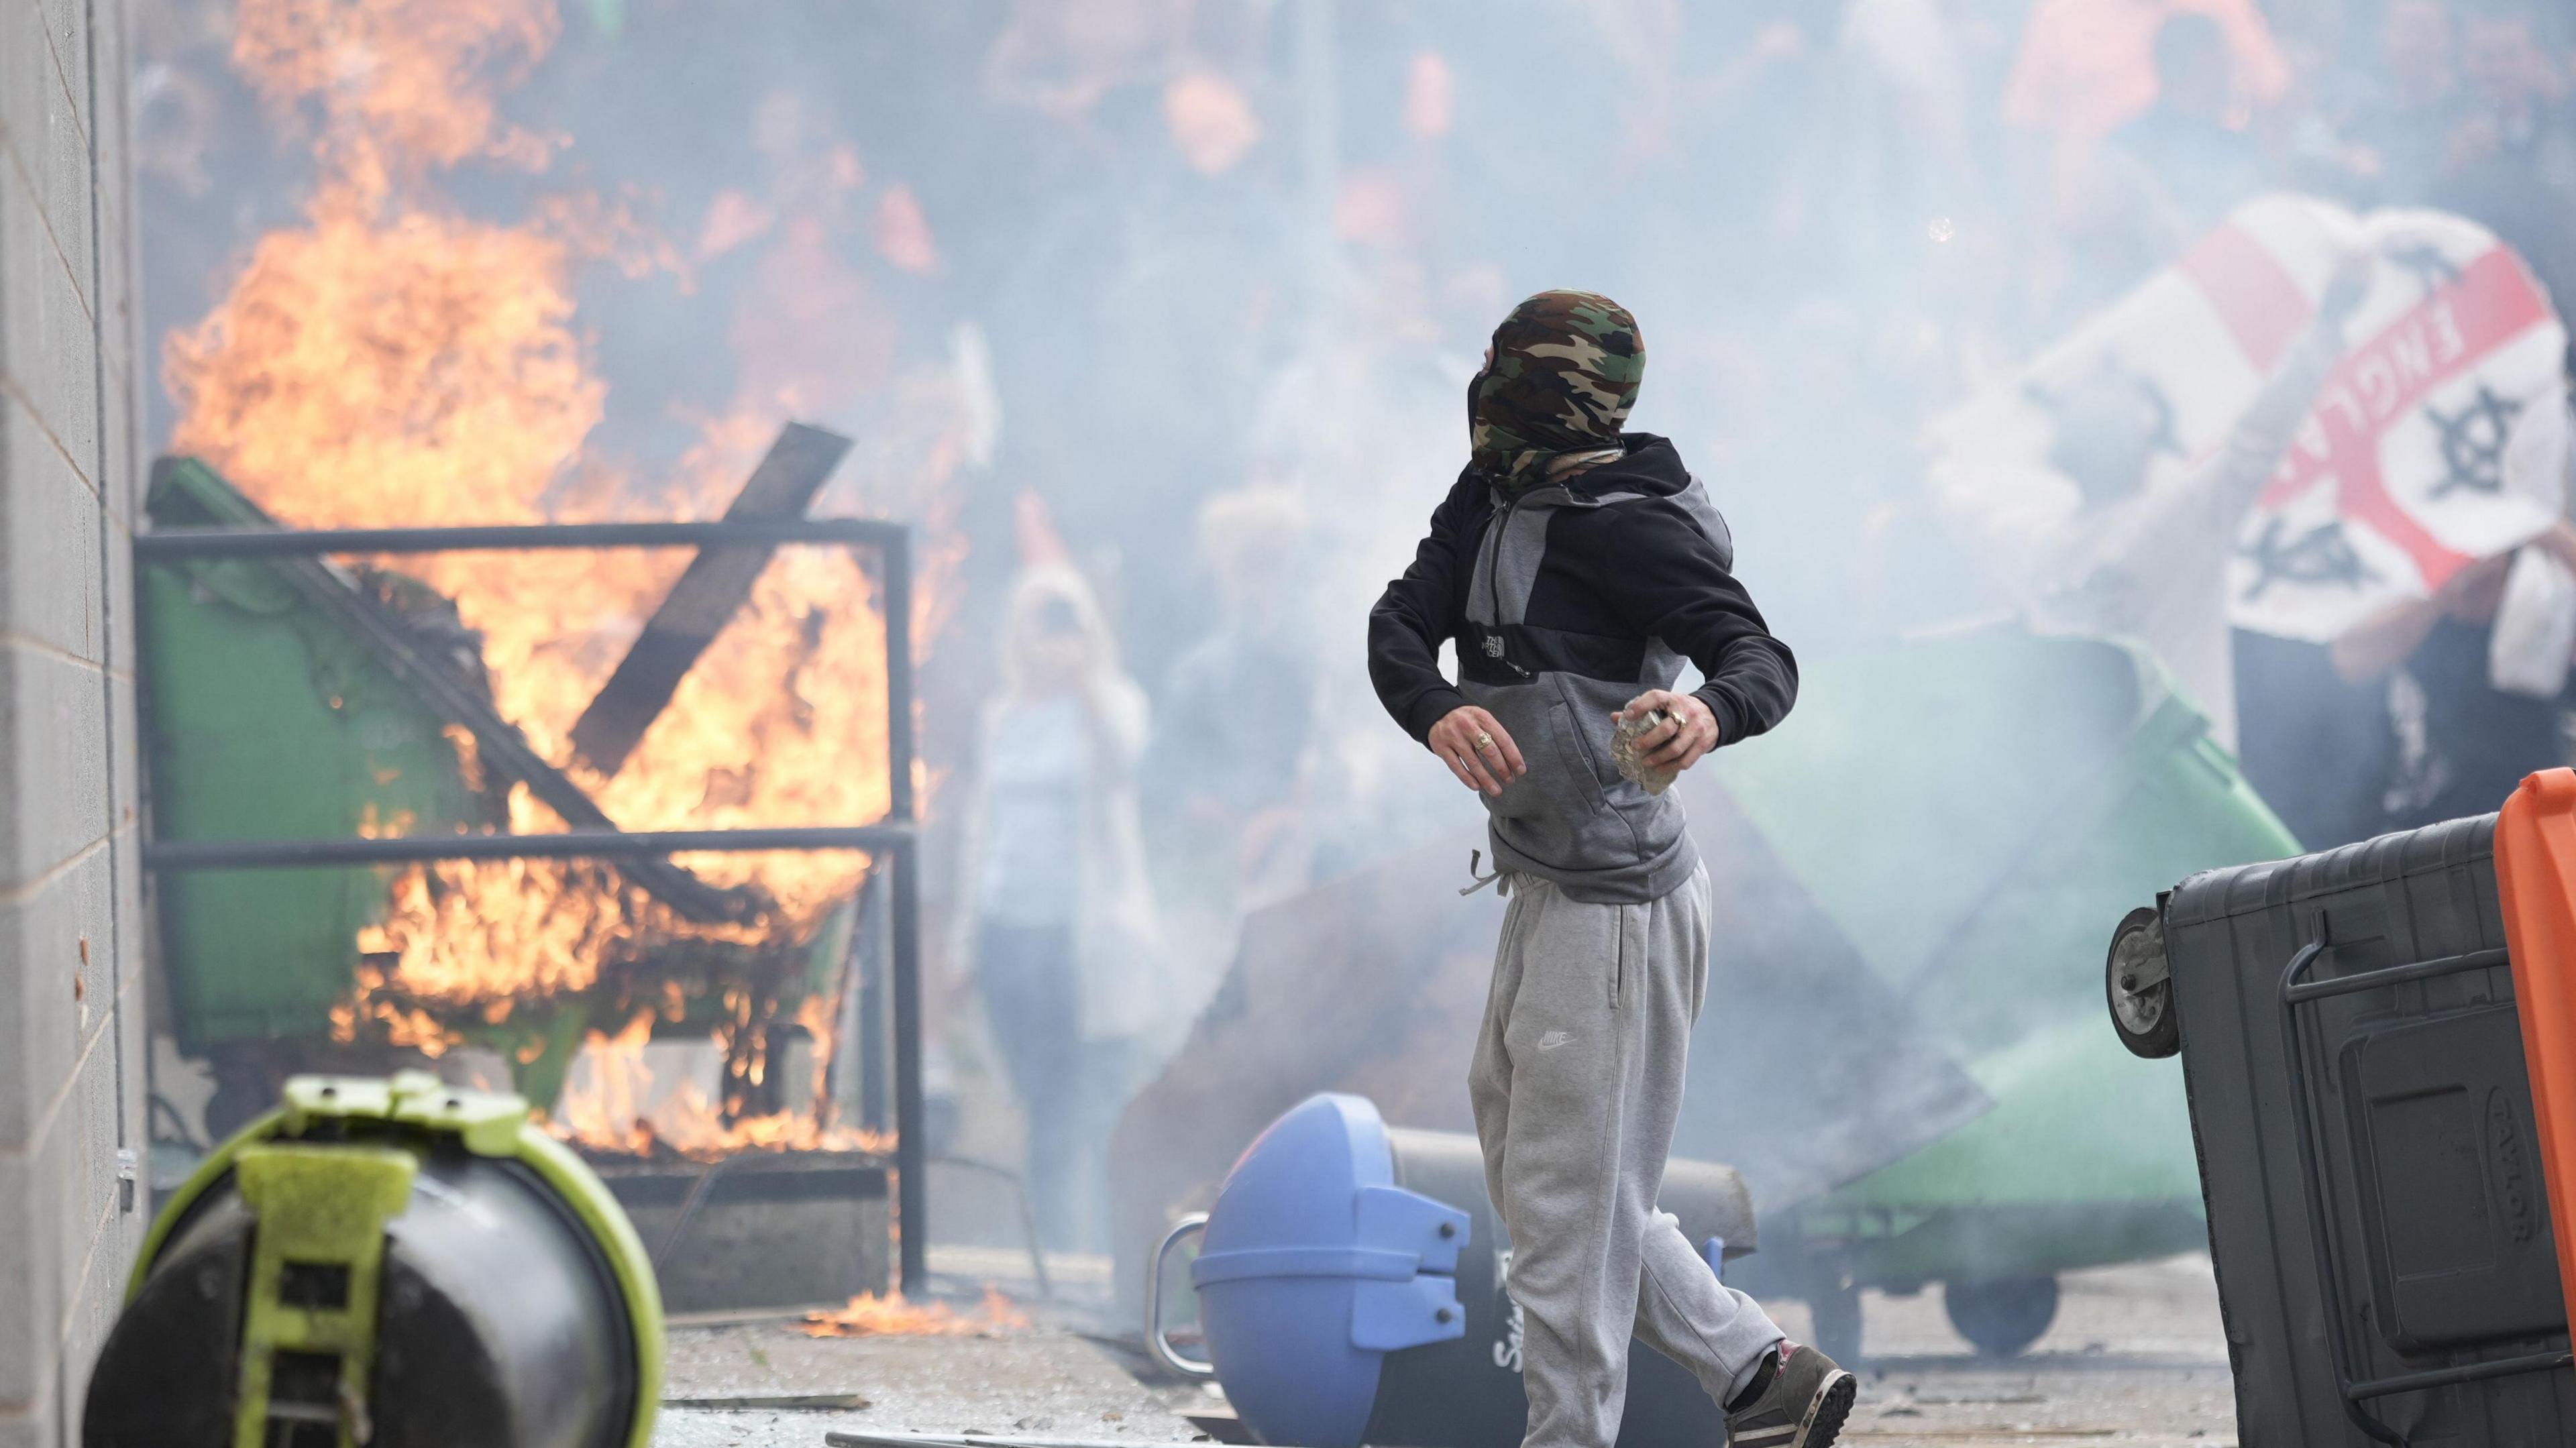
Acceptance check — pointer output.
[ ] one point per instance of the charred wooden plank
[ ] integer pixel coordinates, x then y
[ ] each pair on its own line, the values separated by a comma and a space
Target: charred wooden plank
697, 608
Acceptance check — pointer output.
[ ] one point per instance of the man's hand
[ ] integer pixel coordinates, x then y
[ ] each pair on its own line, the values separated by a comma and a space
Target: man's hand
1689, 729
1477, 749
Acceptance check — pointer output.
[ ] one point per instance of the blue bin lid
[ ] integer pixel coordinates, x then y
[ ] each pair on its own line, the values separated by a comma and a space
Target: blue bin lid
1314, 1266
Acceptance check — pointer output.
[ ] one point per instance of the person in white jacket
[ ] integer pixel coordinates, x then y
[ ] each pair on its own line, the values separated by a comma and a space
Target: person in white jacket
1063, 933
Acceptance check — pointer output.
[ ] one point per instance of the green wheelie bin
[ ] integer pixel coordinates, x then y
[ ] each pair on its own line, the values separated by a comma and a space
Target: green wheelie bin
1968, 810
264, 719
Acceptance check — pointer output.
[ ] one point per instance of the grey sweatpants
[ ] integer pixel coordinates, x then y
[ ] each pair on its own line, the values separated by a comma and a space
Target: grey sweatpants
1576, 1083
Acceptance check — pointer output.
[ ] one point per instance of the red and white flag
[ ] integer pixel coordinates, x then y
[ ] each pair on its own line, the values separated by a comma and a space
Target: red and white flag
2396, 479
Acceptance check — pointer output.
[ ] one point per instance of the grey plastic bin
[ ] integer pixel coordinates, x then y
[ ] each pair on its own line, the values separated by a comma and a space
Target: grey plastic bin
2386, 1265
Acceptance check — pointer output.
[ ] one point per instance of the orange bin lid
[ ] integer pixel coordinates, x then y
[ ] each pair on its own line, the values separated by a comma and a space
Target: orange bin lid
2535, 856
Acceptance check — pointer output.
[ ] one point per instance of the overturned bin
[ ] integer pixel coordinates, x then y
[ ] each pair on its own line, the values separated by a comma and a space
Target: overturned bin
2375, 1044
1352, 1279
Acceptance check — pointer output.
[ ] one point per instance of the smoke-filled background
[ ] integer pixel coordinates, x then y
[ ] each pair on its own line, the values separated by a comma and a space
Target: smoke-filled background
1155, 318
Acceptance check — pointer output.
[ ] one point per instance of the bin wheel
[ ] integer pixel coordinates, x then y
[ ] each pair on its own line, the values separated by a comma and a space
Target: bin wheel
2143, 1014
1835, 1306
2002, 1315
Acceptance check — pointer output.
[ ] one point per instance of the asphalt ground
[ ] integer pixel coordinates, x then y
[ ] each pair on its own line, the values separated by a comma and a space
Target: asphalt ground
2136, 1356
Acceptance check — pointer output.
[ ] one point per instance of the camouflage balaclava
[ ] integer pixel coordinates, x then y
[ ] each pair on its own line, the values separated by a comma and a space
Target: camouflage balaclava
1565, 372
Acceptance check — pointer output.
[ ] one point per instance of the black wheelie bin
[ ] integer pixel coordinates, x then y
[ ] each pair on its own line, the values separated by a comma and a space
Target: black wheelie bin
2373, 1167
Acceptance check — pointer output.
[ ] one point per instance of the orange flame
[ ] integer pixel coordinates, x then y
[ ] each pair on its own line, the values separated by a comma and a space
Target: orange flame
401, 85
387, 361
615, 1109
871, 1316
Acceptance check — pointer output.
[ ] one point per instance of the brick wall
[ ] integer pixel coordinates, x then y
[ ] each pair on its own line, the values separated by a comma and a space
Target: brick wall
71, 949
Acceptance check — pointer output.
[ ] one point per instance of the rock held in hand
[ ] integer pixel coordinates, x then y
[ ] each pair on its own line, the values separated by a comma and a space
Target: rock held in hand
1624, 755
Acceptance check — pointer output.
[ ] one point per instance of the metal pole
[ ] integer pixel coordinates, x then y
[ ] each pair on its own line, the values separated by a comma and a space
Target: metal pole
897, 557
912, 1126
894, 840
912, 1138
167, 544
585, 844
871, 1059
434, 677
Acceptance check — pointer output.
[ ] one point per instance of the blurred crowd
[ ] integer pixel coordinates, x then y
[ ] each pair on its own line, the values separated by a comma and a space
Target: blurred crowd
1835, 222
1159, 315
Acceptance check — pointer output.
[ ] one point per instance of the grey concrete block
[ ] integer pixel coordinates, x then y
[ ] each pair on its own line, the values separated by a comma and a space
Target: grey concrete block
77, 1201
66, 30
117, 514
25, 64
94, 1011
134, 1018
23, 253
52, 587
21, 286
120, 501
63, 174
64, 1103
91, 952
119, 250
133, 923
45, 1195
53, 745
52, 1001
125, 763
46, 343
93, 1302
125, 378
72, 1032
30, 1289
92, 1314
110, 37
119, 492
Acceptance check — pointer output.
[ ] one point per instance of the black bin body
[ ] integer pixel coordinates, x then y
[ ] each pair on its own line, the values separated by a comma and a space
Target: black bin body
2386, 1265
500, 1326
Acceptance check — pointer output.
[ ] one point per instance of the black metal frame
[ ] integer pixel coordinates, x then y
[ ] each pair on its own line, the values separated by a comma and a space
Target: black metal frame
2294, 1043
896, 836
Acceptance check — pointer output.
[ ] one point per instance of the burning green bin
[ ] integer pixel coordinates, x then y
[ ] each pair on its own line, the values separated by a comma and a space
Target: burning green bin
264, 719
268, 717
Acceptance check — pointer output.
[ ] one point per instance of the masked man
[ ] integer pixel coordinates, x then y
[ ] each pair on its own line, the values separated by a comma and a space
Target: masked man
1576, 566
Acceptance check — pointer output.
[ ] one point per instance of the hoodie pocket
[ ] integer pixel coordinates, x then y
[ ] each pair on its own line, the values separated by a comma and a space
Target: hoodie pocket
1589, 721
1574, 755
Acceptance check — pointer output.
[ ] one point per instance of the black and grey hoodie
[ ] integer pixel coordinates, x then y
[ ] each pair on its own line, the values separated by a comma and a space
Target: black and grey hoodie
1567, 600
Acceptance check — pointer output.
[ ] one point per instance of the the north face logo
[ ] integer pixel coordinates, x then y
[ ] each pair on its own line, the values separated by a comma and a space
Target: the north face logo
1493, 646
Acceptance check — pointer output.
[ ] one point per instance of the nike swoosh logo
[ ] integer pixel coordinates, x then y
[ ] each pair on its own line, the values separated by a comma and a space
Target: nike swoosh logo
1554, 1039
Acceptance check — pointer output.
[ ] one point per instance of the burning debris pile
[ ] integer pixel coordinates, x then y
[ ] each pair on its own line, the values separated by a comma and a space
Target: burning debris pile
614, 1103
389, 360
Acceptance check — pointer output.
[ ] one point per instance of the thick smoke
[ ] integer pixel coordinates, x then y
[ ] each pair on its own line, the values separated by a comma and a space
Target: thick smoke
1185, 297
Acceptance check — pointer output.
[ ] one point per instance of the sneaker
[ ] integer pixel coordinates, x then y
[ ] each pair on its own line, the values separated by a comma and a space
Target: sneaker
1804, 1406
